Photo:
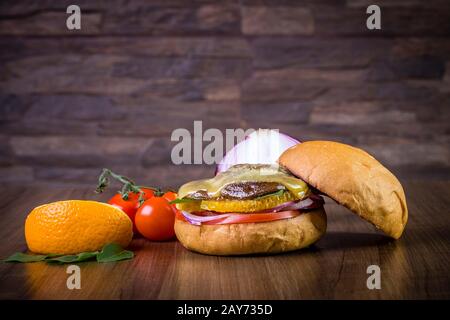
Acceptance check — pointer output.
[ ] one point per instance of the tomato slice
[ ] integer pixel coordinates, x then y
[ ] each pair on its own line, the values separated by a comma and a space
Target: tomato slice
248, 217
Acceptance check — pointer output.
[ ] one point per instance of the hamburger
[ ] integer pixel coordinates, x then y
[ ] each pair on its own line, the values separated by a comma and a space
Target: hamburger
263, 209
249, 209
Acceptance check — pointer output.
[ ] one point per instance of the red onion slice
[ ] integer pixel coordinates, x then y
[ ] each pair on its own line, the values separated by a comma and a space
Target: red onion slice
308, 203
263, 146
312, 202
280, 207
198, 220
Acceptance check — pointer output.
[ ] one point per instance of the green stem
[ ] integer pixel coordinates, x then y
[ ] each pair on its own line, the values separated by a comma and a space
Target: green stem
128, 185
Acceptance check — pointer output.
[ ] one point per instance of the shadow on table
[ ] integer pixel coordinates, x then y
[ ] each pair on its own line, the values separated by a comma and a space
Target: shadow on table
348, 240
333, 240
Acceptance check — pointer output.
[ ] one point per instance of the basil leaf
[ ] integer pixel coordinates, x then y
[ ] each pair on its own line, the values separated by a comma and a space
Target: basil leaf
183, 200
84, 256
274, 194
110, 253
24, 257
113, 252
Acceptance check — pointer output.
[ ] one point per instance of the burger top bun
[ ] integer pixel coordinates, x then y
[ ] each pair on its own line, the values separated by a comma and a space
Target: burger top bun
353, 178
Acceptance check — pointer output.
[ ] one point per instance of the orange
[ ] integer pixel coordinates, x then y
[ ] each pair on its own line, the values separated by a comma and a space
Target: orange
74, 226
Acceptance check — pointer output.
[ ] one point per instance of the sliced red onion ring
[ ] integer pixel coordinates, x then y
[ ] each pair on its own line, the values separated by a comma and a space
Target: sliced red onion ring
263, 146
312, 202
309, 203
198, 220
316, 197
280, 207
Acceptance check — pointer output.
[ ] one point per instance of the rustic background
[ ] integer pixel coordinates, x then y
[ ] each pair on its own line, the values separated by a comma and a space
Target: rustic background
109, 95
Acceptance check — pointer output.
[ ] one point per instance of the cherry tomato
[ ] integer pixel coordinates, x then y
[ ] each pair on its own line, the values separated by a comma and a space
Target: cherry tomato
131, 205
170, 196
155, 219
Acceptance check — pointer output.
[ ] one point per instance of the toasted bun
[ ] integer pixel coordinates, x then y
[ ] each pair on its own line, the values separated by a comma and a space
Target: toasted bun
250, 238
353, 178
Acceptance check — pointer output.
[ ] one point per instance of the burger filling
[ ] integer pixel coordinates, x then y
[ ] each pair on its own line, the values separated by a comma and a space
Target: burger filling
242, 190
247, 190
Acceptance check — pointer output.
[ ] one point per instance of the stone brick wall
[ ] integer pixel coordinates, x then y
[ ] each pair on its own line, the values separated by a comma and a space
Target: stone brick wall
109, 95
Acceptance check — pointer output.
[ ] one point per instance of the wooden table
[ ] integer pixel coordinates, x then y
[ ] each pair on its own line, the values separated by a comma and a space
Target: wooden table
416, 266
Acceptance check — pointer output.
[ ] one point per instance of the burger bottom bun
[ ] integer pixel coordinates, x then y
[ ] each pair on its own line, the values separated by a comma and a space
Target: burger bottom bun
251, 238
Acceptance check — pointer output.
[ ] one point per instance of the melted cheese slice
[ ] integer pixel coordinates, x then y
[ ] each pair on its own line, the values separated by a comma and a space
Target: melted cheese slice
246, 173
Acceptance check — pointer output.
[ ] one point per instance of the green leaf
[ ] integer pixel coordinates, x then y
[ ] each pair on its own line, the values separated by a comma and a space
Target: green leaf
278, 193
183, 200
113, 252
84, 256
24, 257
110, 253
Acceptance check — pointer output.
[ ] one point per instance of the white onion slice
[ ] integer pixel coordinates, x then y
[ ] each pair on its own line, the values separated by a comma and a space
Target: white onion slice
263, 146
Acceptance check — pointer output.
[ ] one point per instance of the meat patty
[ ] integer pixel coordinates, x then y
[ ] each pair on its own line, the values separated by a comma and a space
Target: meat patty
241, 191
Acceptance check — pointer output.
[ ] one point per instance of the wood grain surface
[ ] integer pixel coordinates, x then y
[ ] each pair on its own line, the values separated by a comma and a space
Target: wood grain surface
416, 266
